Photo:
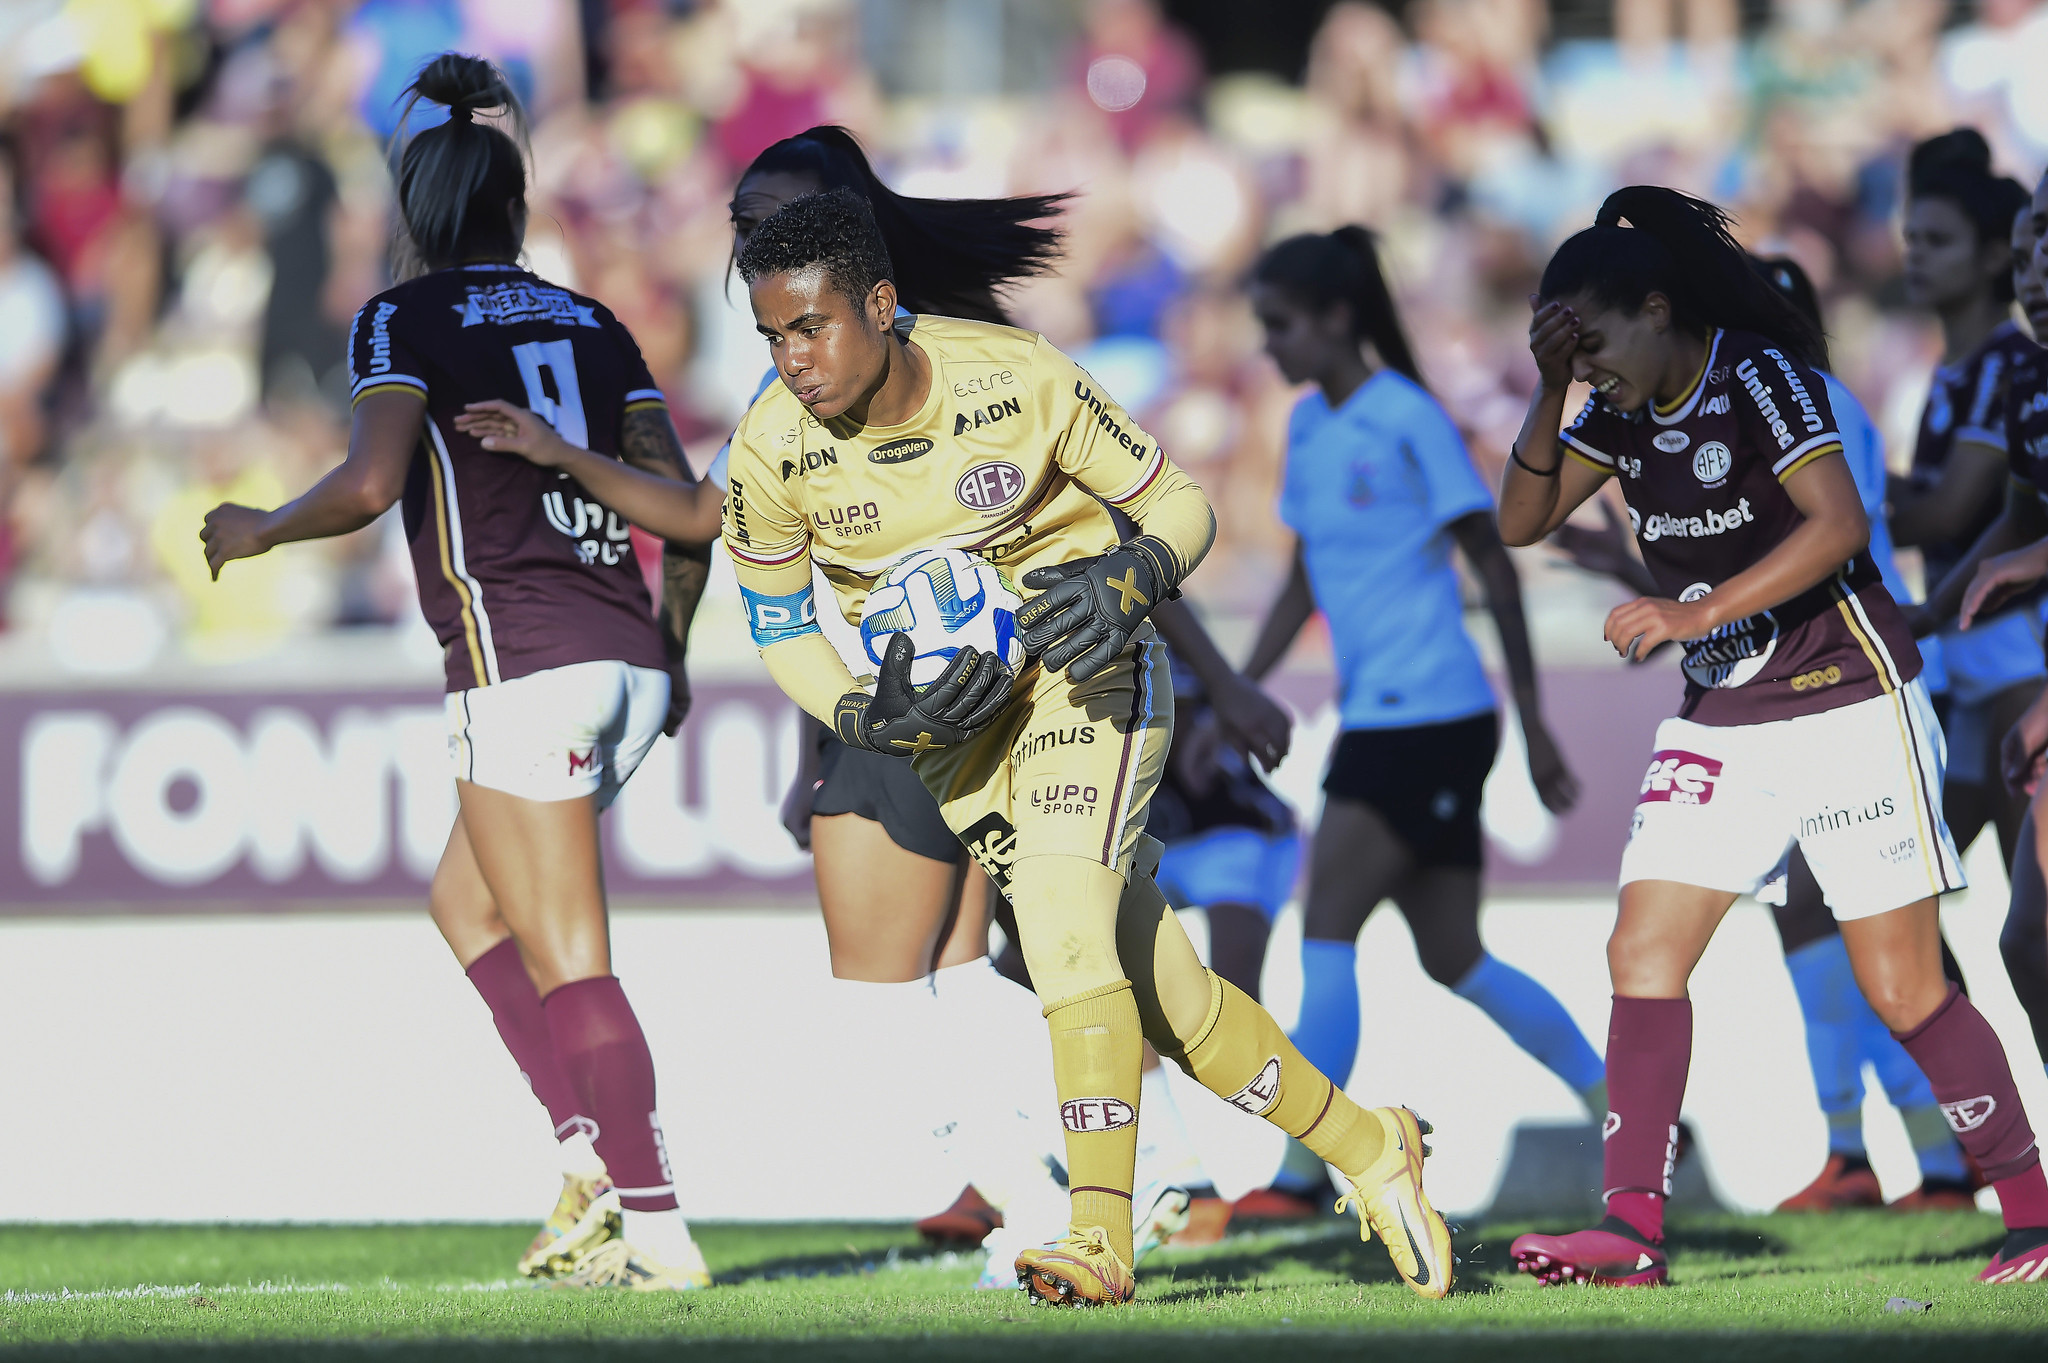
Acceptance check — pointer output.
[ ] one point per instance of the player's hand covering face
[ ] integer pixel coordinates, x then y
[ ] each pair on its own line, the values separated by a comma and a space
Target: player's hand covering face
900, 722
1090, 607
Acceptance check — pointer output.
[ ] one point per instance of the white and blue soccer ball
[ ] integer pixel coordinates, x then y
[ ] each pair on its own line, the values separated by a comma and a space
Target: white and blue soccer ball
944, 599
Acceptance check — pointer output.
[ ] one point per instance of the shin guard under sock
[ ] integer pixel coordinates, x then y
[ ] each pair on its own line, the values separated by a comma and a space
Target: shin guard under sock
1097, 1054
1241, 1055
1649, 1051
605, 1055
1533, 1018
1966, 1064
500, 977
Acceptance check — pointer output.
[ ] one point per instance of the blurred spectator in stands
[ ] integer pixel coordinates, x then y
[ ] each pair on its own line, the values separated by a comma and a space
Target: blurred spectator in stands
1992, 68
1357, 163
32, 332
801, 66
1136, 67
1643, 29
1472, 70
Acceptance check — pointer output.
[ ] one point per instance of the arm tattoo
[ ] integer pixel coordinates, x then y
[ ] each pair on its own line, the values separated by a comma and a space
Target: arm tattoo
648, 441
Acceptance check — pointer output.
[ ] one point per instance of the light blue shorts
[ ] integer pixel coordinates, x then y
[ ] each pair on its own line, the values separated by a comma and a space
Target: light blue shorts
1231, 866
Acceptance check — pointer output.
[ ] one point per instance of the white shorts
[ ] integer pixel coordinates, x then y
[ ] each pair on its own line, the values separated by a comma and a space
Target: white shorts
558, 734
1857, 788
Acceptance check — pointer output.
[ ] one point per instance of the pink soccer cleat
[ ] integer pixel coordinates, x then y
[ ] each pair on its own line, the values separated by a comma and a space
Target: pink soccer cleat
2023, 1258
1611, 1254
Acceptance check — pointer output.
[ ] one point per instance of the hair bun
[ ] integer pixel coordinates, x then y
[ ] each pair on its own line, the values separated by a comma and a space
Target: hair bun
1958, 151
465, 84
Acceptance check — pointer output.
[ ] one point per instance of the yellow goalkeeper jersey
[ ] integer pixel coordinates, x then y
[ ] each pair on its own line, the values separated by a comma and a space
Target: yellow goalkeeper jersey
1012, 457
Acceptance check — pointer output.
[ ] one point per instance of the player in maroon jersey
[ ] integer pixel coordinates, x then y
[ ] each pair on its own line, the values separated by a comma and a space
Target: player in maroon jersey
559, 675
1959, 266
2012, 556
1803, 723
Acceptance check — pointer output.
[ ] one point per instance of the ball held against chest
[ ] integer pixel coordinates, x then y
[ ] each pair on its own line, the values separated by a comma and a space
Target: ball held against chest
944, 599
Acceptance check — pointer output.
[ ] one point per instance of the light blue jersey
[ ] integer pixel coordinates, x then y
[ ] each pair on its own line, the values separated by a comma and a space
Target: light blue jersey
1863, 447
1370, 489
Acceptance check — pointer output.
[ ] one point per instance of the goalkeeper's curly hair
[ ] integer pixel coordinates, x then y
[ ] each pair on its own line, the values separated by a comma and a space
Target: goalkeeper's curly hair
834, 230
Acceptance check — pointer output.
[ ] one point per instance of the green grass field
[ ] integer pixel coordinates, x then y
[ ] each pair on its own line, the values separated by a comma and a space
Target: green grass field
1757, 1288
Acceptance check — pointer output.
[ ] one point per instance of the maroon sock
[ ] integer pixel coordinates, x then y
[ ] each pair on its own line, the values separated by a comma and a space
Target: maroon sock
605, 1055
1966, 1065
1649, 1050
500, 976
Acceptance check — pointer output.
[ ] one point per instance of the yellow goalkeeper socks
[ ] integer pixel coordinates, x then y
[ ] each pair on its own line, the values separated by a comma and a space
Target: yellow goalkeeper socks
1241, 1054
1097, 1056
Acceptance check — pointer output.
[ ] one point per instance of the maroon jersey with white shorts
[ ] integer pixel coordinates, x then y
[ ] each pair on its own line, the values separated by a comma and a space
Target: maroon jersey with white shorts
519, 568
1704, 481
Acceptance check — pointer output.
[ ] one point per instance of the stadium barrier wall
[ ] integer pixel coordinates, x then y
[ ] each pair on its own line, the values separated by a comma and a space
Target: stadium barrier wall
141, 800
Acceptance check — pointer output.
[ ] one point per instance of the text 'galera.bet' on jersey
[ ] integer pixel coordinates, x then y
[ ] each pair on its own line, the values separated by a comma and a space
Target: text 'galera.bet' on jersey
519, 568
1704, 481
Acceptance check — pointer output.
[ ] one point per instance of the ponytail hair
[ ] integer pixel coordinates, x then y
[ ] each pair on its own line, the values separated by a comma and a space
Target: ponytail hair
1789, 278
458, 180
1680, 247
1320, 271
1956, 166
953, 256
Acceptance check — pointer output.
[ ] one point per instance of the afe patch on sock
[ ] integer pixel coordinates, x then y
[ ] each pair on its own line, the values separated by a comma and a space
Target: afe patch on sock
1262, 1092
1096, 1114
1970, 1113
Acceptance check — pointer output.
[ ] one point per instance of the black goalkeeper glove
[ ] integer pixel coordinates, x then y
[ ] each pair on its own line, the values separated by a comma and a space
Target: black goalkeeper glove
1090, 607
899, 722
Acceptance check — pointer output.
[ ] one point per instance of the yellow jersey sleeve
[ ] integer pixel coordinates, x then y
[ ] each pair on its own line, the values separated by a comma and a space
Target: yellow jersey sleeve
769, 542
1107, 453
763, 529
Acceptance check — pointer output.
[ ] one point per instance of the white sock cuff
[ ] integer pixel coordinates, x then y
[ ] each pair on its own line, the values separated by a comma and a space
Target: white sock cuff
971, 977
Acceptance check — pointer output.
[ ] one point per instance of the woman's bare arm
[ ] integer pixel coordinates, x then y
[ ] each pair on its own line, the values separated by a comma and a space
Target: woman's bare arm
384, 431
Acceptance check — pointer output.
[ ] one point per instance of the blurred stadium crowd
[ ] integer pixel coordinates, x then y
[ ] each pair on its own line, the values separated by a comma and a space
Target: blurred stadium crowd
194, 201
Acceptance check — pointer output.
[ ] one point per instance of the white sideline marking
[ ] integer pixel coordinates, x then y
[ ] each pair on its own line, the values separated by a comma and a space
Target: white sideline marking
146, 1290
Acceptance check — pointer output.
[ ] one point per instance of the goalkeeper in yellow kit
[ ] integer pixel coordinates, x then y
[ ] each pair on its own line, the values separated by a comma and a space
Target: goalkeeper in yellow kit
891, 434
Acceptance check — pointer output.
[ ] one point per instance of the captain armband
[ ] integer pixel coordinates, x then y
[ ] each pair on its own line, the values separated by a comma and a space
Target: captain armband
778, 619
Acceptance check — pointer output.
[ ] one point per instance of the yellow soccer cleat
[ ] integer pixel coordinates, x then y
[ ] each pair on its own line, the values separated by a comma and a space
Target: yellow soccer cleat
614, 1263
586, 1215
1391, 1203
1078, 1269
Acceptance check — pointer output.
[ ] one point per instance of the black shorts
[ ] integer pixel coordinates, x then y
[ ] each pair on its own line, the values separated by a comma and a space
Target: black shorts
885, 789
1424, 781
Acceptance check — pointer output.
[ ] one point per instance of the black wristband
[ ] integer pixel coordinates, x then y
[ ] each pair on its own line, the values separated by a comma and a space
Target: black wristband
850, 719
1552, 472
1164, 566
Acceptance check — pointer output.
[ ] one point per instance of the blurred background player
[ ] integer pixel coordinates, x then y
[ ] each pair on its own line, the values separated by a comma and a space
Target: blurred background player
1803, 723
1959, 266
559, 675
1378, 490
2011, 557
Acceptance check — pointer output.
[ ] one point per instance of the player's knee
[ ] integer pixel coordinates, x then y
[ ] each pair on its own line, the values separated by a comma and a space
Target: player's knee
1448, 962
1903, 1003
464, 910
1066, 924
1642, 965
2023, 946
